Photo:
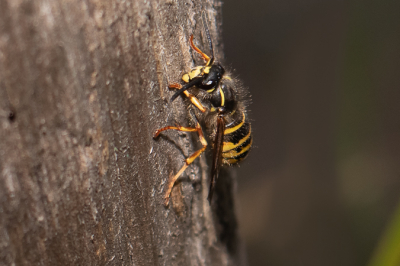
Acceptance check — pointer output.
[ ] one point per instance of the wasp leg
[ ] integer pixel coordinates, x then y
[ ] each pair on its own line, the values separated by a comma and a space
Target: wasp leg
205, 57
179, 128
188, 160
191, 97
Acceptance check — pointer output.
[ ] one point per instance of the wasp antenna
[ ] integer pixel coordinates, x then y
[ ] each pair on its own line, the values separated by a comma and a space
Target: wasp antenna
192, 83
208, 37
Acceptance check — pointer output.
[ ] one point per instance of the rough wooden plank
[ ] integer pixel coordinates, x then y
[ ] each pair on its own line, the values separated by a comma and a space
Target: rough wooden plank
83, 85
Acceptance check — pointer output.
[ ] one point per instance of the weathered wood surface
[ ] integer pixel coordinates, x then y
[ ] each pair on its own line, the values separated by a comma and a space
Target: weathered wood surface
83, 86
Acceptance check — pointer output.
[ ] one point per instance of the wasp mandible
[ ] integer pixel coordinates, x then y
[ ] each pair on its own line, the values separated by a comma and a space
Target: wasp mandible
218, 103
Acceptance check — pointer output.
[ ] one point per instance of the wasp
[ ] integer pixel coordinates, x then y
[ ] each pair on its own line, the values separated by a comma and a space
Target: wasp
218, 102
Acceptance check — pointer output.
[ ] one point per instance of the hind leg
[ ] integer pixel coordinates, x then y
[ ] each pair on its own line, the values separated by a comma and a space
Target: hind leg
188, 160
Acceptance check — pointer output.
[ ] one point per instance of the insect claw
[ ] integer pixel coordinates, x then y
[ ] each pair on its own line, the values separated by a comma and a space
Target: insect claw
166, 202
156, 134
174, 86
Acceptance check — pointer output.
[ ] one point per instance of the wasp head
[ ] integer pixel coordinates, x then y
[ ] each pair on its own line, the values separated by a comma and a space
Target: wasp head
213, 77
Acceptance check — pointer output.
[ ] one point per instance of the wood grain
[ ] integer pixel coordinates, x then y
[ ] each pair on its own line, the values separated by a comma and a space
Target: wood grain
83, 86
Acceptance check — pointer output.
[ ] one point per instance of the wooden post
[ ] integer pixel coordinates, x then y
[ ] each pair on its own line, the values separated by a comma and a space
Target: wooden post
83, 86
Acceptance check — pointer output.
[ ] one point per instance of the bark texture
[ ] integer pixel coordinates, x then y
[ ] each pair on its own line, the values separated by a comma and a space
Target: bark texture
83, 86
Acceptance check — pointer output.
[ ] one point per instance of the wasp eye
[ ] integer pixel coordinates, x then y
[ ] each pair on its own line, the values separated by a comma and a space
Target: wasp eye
208, 84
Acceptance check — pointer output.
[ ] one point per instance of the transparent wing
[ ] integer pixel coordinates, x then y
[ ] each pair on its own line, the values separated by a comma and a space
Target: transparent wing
217, 154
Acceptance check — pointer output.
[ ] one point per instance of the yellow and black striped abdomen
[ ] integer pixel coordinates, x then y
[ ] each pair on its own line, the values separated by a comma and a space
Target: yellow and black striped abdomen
237, 141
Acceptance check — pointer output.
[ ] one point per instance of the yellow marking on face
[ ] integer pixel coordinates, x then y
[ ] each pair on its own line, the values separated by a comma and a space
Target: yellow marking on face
206, 70
185, 78
211, 90
233, 129
195, 72
227, 146
222, 97
233, 153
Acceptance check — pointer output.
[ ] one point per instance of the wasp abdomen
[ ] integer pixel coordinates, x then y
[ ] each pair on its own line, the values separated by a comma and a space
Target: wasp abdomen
237, 141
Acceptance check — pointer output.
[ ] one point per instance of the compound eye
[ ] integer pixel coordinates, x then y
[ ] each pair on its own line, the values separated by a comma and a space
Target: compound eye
208, 84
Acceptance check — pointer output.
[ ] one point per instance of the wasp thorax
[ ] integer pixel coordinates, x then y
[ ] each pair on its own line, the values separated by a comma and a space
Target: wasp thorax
224, 96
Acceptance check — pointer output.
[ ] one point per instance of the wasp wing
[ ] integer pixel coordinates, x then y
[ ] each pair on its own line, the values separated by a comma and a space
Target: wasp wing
217, 154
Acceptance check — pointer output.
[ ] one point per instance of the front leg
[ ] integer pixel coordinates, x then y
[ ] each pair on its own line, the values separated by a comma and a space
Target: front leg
191, 97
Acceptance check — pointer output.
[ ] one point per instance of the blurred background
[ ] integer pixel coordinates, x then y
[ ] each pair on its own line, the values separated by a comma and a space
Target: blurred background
322, 183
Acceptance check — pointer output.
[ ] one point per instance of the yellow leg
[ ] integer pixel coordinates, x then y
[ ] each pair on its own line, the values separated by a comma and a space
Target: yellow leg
188, 161
179, 128
191, 97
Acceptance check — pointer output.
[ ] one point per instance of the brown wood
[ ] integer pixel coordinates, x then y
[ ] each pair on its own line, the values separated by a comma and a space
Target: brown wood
83, 87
